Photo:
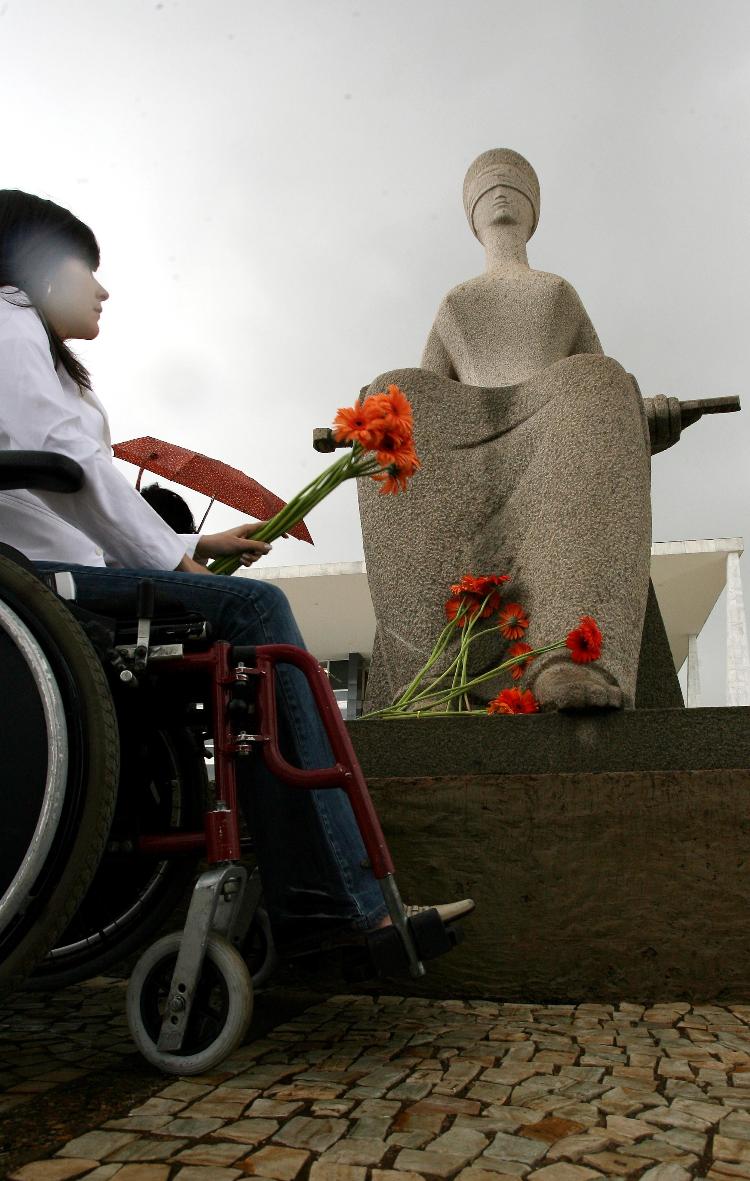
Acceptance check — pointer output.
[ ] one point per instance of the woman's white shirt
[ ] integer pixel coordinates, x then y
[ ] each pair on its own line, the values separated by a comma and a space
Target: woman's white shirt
42, 409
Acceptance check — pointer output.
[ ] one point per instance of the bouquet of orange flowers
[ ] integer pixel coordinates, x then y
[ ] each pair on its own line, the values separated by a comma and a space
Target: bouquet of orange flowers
476, 608
380, 431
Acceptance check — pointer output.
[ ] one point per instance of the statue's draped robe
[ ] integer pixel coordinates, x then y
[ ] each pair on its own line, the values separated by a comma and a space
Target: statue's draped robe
536, 463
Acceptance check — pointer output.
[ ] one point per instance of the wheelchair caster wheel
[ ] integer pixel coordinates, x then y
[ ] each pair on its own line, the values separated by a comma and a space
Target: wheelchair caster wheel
221, 1011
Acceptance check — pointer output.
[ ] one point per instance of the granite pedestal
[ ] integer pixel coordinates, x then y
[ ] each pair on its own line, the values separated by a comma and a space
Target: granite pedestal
609, 856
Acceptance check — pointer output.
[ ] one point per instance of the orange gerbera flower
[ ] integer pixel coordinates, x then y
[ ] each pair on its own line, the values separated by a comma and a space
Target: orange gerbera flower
454, 605
474, 590
395, 452
585, 641
390, 421
513, 621
356, 424
396, 474
514, 701
480, 584
518, 649
396, 413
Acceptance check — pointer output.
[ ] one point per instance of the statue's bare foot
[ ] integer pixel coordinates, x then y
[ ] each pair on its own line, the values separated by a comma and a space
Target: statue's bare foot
576, 686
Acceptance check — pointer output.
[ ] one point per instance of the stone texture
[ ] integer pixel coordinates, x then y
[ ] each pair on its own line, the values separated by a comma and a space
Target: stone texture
249, 1131
563, 1172
316, 1134
206, 1173
503, 445
192, 1125
574, 1147
551, 1129
676, 1134
356, 1151
666, 1173
275, 1161
472, 1173
53, 1170
538, 903
519, 1148
395, 1175
219, 1155
618, 1164
323, 1170
96, 1144
148, 1150
143, 1173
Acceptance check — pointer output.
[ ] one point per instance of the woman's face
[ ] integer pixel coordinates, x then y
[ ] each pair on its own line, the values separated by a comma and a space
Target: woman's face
72, 300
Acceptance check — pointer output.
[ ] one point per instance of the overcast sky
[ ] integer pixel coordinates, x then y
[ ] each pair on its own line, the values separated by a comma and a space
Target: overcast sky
276, 188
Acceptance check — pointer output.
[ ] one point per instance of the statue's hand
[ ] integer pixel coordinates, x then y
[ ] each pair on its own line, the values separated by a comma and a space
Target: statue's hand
665, 421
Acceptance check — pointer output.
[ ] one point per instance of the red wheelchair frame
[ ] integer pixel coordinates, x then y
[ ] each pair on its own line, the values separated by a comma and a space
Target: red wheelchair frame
391, 950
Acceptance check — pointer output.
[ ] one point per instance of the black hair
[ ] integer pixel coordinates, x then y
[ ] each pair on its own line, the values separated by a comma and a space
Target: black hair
35, 236
171, 508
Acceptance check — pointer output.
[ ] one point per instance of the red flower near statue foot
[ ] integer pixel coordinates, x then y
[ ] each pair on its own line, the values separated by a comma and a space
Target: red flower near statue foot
477, 594
514, 701
513, 621
518, 649
585, 641
479, 584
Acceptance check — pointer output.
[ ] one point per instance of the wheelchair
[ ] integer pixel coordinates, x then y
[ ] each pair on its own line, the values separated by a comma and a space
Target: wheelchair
108, 812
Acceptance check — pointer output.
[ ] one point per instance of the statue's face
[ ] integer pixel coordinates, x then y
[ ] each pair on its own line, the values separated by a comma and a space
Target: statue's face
503, 206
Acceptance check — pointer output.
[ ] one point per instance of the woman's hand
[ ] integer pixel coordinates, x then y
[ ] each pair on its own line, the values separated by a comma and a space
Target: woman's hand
233, 542
188, 565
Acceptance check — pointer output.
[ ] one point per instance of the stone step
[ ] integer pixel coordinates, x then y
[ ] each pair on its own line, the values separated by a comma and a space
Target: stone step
609, 856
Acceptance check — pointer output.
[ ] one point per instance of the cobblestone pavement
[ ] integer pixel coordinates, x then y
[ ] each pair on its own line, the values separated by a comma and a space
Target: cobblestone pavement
49, 1040
394, 1089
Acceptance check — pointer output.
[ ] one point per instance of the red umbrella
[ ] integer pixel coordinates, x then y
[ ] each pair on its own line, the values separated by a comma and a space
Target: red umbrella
203, 474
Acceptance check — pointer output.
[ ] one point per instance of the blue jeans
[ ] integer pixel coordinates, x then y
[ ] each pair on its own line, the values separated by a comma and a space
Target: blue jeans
311, 857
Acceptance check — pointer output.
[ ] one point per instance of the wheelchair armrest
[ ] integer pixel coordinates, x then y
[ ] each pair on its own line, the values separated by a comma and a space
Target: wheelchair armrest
45, 470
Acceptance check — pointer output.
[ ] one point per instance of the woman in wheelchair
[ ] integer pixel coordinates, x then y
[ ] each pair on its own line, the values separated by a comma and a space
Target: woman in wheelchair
316, 881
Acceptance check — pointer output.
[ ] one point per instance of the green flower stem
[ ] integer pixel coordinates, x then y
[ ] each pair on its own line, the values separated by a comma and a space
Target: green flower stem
510, 662
471, 621
447, 695
351, 465
437, 651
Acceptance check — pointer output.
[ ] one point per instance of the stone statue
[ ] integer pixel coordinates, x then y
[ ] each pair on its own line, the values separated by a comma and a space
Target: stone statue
535, 453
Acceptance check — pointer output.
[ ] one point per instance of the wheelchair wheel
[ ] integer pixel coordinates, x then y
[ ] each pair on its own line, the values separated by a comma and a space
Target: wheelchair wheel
221, 1012
258, 950
59, 754
163, 788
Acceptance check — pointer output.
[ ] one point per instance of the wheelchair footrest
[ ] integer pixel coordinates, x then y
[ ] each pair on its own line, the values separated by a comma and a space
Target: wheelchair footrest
384, 954
431, 935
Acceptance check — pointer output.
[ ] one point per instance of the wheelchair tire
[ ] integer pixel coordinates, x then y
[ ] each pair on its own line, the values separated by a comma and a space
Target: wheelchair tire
221, 1013
163, 787
59, 753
